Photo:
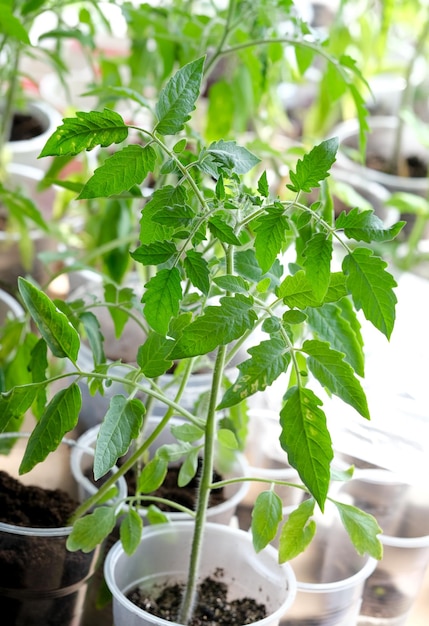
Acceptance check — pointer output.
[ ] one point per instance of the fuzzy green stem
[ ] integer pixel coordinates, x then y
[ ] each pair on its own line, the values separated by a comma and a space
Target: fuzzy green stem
189, 598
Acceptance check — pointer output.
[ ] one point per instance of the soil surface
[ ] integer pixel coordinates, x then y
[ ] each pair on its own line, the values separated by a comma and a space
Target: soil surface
169, 490
32, 506
213, 607
382, 598
25, 126
411, 167
41, 582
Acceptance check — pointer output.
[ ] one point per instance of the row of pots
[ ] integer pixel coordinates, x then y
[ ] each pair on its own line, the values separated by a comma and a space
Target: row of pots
326, 584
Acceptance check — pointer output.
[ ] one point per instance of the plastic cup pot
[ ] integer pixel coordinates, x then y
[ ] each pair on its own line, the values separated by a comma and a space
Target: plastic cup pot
162, 558
41, 582
330, 576
402, 511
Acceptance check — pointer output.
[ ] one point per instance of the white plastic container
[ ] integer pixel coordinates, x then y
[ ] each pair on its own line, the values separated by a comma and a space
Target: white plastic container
402, 511
162, 557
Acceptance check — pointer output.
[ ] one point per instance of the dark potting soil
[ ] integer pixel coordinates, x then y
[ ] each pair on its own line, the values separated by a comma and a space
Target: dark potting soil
25, 126
411, 167
41, 582
32, 506
382, 598
170, 490
212, 609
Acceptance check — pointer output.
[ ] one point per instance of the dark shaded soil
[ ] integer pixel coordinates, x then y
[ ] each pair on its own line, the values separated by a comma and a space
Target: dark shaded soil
25, 126
41, 582
411, 167
382, 598
169, 490
32, 506
212, 609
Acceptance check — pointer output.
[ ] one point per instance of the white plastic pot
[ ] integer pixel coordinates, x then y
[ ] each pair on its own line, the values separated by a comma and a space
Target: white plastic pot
41, 582
402, 511
330, 575
381, 143
26, 151
162, 557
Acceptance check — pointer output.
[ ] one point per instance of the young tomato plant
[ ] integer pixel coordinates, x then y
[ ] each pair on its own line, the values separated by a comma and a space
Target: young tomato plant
228, 264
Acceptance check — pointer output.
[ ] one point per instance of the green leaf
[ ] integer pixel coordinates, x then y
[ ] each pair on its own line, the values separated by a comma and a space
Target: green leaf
371, 288
234, 284
271, 234
362, 529
15, 403
317, 263
227, 438
154, 253
162, 298
266, 517
366, 226
155, 515
294, 317
263, 187
130, 531
297, 532
304, 58
247, 266
53, 325
333, 372
95, 337
123, 297
121, 424
120, 172
188, 468
187, 432
38, 367
314, 166
175, 216
90, 530
152, 355
219, 325
296, 290
224, 232
85, 132
153, 475
306, 440
332, 323
60, 417
151, 231
231, 156
269, 360
177, 99
197, 271
11, 26
22, 208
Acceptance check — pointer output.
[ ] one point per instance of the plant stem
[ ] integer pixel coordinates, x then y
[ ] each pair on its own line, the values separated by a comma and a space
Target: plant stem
188, 601
203, 491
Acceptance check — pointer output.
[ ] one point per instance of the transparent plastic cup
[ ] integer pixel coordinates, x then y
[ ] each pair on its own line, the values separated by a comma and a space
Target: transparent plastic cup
330, 576
41, 582
402, 510
163, 555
